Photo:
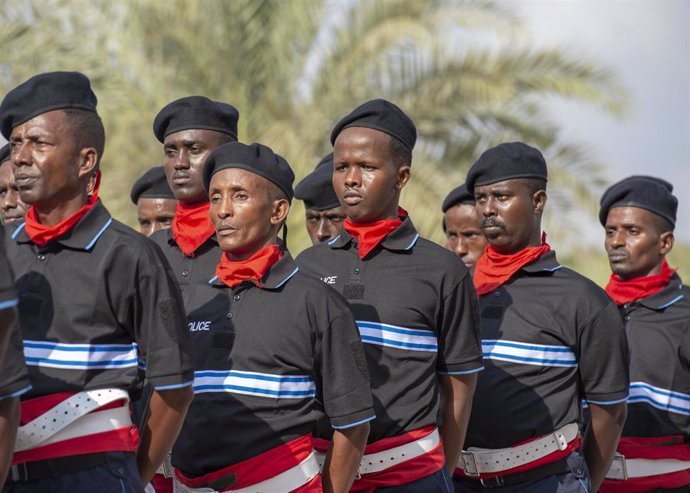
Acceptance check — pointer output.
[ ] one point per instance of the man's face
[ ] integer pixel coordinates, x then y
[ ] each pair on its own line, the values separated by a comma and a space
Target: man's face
634, 246
12, 209
45, 159
155, 214
506, 210
185, 154
243, 211
324, 225
464, 236
366, 177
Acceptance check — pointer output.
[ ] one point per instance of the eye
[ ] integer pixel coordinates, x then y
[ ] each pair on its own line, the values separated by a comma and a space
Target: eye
367, 167
341, 167
214, 199
241, 196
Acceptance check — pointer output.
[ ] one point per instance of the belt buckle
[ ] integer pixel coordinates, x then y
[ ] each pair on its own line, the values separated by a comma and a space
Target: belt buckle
494, 482
470, 453
618, 457
561, 442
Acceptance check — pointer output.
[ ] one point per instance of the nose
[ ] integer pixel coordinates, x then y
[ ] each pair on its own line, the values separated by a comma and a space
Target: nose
323, 231
182, 160
10, 200
20, 155
460, 248
486, 207
224, 208
617, 239
353, 177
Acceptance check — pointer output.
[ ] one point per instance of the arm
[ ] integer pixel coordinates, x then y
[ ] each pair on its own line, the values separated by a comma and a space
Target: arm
456, 403
9, 420
343, 459
167, 410
601, 439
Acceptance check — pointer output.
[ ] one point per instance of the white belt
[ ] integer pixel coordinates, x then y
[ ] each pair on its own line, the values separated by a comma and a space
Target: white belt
71, 419
289, 480
166, 468
380, 461
622, 469
477, 461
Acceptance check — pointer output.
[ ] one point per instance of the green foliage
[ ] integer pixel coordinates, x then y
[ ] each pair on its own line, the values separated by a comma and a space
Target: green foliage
460, 68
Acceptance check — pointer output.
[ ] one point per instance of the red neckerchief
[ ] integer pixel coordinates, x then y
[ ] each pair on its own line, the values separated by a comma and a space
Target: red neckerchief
41, 234
371, 234
233, 272
623, 292
493, 269
192, 226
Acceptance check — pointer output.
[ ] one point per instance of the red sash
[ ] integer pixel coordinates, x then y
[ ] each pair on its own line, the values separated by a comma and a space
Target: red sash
262, 467
371, 234
192, 226
665, 447
123, 439
493, 269
233, 272
623, 292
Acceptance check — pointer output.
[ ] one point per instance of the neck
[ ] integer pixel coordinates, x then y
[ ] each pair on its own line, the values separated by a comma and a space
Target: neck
240, 255
52, 214
194, 202
654, 271
388, 214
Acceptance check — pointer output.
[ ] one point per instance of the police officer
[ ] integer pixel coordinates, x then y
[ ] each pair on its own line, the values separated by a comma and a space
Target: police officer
155, 202
190, 128
12, 209
461, 226
270, 341
97, 302
414, 305
549, 336
639, 215
324, 214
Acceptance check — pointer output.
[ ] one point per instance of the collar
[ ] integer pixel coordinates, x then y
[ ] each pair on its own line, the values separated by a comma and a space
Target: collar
545, 263
170, 239
666, 297
275, 278
401, 239
84, 234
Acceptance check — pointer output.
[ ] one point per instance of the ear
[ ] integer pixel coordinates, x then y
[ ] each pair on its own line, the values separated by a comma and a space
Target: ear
281, 208
88, 159
539, 201
666, 241
404, 175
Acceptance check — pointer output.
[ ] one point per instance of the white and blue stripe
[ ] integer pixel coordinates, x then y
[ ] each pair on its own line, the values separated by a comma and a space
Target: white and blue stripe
253, 383
659, 398
4, 305
80, 356
397, 337
528, 354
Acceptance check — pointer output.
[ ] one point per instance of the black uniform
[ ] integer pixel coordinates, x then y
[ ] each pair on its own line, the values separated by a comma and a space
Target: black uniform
95, 305
550, 337
416, 311
658, 330
264, 355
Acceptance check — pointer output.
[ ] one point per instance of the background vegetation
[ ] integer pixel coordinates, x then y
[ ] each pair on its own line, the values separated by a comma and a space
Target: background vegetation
460, 68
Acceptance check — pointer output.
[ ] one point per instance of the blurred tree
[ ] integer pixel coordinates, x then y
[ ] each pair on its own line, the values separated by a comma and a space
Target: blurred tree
462, 69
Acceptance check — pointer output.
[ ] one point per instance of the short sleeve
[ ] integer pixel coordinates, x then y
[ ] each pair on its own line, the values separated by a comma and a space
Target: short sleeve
343, 378
14, 379
603, 358
165, 345
459, 331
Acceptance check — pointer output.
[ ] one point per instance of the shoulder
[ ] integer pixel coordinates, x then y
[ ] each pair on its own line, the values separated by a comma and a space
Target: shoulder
130, 245
433, 260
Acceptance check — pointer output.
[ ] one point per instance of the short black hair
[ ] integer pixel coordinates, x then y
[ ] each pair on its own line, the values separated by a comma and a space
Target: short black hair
87, 128
534, 184
662, 225
400, 152
224, 138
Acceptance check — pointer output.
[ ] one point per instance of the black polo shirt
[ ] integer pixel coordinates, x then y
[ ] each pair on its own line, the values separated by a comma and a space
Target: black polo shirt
550, 337
198, 268
416, 310
264, 357
94, 305
658, 330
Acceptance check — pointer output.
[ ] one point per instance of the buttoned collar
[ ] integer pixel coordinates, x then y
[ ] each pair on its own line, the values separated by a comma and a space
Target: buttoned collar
666, 297
278, 274
170, 239
402, 238
84, 234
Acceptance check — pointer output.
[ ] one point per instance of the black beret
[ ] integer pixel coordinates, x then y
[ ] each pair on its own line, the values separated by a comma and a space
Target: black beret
506, 162
153, 184
316, 189
645, 192
458, 195
5, 153
43, 93
196, 112
255, 158
382, 115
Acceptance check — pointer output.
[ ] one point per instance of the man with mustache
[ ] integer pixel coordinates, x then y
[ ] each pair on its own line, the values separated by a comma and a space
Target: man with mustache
97, 304
190, 128
12, 209
155, 202
414, 305
324, 214
550, 337
271, 341
639, 215
461, 226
